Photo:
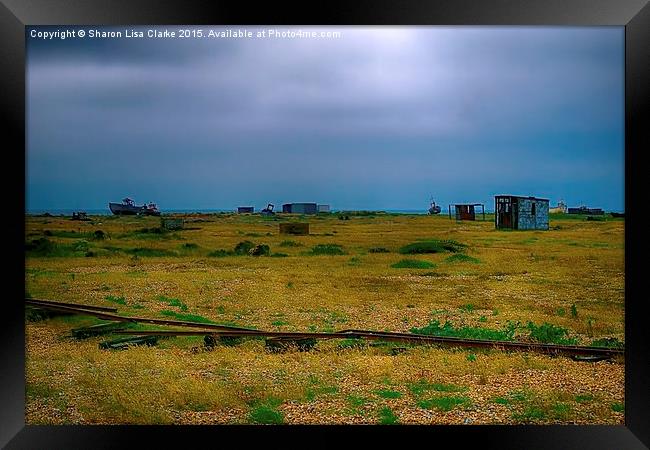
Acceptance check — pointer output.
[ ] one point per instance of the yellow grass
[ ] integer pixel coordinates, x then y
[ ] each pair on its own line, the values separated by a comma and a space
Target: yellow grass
522, 276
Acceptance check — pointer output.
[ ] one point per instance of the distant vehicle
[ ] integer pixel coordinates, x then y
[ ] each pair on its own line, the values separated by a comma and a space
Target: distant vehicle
433, 208
129, 208
81, 215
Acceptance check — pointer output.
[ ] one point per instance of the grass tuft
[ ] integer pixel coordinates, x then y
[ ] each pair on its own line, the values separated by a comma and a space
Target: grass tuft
388, 393
387, 416
173, 302
266, 413
433, 246
185, 317
118, 300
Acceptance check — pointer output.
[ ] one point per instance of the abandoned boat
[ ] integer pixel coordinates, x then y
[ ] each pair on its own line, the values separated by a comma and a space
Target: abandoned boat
433, 208
129, 208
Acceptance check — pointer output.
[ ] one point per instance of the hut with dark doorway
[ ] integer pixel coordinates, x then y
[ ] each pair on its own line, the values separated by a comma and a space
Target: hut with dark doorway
520, 213
466, 211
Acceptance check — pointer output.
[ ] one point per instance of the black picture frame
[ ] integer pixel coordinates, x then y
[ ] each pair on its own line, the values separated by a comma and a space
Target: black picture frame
633, 14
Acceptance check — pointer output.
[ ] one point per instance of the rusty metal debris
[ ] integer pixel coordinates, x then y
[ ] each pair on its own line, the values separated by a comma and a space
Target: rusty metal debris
276, 339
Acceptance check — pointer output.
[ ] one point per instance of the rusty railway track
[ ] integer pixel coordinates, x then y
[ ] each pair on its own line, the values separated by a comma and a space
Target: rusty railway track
92, 311
206, 329
396, 337
44, 303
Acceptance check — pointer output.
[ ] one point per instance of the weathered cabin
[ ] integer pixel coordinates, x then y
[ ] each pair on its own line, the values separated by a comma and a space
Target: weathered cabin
245, 209
520, 213
300, 208
466, 211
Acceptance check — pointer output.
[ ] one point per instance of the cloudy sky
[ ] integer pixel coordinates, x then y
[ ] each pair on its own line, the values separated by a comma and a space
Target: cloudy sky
379, 118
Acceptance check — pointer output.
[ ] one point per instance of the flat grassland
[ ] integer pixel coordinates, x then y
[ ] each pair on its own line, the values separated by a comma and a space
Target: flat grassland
565, 285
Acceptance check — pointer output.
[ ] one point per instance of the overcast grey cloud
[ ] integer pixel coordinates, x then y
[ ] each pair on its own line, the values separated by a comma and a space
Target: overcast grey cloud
382, 117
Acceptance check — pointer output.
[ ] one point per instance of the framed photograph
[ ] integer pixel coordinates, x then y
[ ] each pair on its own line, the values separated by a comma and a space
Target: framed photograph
379, 219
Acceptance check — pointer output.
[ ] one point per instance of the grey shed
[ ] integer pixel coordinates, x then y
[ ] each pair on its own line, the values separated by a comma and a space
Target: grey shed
520, 213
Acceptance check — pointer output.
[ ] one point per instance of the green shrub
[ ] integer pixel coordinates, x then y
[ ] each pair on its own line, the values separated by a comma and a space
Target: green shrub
549, 334
149, 252
99, 235
433, 246
185, 317
243, 247
290, 244
607, 342
459, 257
378, 250
266, 413
220, 253
189, 246
467, 308
260, 250
327, 249
448, 330
387, 416
412, 264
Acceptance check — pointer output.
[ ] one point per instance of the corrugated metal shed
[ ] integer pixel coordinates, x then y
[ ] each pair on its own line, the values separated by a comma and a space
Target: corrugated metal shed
300, 208
585, 210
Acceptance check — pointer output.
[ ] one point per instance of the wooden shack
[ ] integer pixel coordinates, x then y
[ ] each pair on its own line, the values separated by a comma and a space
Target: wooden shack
466, 211
520, 213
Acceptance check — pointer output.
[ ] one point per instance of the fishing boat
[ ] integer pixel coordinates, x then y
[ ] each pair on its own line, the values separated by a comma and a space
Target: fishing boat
433, 208
129, 208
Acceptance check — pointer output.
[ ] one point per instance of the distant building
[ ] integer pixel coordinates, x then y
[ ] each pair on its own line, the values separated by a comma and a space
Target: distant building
520, 213
245, 209
466, 211
323, 208
585, 210
559, 209
300, 208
